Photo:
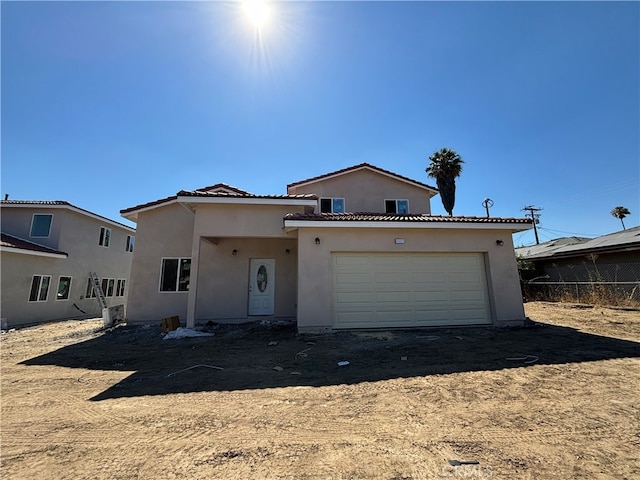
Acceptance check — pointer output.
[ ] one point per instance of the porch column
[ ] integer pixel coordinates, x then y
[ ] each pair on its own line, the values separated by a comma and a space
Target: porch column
193, 282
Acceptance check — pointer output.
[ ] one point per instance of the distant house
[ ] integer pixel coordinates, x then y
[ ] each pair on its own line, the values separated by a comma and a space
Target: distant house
47, 251
612, 259
220, 253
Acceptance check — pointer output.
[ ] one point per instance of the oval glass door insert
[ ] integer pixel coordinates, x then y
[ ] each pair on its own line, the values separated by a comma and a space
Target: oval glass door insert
261, 278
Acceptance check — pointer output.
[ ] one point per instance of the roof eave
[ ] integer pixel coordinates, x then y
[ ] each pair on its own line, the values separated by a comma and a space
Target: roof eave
432, 190
312, 202
291, 225
37, 253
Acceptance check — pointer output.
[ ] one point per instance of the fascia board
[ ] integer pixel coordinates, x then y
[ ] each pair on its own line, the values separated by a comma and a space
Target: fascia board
250, 201
36, 253
291, 224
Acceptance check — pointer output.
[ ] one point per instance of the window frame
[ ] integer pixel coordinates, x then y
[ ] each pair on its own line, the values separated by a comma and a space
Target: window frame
396, 200
33, 219
90, 292
105, 237
181, 261
130, 242
39, 288
60, 277
333, 201
120, 287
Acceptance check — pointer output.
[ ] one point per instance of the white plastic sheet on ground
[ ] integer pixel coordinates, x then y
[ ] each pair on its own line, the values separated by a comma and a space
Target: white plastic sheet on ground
185, 333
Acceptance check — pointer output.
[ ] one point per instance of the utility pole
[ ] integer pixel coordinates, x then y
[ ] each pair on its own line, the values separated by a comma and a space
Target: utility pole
534, 217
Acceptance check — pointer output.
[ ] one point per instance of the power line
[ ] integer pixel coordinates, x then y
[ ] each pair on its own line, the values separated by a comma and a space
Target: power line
570, 233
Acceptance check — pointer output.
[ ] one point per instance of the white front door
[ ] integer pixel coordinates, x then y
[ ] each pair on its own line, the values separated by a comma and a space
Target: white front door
261, 286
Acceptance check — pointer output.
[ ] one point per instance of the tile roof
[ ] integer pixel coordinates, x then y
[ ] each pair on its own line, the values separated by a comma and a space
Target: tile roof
624, 240
198, 193
358, 167
148, 204
392, 217
60, 204
36, 202
218, 186
9, 241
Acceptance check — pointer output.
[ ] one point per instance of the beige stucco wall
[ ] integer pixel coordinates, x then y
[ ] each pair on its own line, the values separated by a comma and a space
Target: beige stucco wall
162, 232
366, 190
77, 235
223, 279
315, 276
208, 235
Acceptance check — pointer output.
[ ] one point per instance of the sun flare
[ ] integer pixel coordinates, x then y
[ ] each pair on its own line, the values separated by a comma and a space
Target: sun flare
257, 11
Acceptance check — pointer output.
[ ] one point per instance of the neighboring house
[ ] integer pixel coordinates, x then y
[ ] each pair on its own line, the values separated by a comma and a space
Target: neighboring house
47, 252
613, 258
223, 254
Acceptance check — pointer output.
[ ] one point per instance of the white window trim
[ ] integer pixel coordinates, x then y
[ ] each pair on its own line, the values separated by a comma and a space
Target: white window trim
37, 300
101, 237
397, 200
33, 217
58, 287
177, 277
344, 204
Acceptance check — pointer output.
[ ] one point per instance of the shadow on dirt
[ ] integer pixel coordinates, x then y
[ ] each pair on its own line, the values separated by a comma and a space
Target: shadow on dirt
246, 360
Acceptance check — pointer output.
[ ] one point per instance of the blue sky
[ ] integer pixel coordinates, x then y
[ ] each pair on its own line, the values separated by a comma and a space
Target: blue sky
111, 104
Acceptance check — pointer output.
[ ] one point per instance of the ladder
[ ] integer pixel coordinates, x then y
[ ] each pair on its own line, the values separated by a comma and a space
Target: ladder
97, 289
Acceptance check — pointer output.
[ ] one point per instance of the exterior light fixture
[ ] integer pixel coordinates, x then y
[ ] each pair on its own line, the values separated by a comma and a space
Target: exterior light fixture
500, 243
234, 252
287, 251
317, 241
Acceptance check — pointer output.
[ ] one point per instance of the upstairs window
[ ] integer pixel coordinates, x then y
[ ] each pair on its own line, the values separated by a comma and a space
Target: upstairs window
332, 205
105, 236
175, 274
130, 241
396, 206
41, 225
39, 288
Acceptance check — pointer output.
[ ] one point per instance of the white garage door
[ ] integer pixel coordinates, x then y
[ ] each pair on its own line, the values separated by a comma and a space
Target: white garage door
409, 290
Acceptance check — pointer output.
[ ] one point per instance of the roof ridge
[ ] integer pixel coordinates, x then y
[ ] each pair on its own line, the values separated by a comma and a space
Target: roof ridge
358, 167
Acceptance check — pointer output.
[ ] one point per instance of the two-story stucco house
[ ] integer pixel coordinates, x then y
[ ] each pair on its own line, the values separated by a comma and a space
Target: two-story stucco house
47, 253
222, 254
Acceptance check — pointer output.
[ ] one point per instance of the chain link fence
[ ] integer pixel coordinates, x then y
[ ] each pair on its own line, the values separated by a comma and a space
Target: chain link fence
591, 281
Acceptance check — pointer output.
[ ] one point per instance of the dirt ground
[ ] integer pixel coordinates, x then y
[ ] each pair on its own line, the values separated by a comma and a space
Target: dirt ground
558, 400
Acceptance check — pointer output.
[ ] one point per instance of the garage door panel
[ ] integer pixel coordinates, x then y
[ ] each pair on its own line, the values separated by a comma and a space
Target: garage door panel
394, 317
352, 278
430, 297
409, 289
354, 319
355, 298
392, 297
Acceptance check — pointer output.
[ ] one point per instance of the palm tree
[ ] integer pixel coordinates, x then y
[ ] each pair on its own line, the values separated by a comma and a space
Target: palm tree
445, 167
620, 213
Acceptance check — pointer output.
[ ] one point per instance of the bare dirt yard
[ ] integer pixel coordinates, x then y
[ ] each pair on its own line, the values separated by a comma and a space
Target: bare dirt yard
558, 400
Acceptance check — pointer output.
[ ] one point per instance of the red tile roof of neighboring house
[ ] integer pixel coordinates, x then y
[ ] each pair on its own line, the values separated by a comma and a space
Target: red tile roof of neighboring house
58, 204
358, 167
10, 241
392, 217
